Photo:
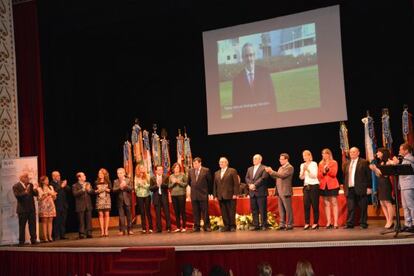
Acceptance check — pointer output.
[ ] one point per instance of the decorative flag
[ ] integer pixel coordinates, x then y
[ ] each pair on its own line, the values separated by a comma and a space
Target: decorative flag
386, 130
407, 126
165, 152
128, 159
147, 153
136, 139
156, 147
180, 150
370, 149
188, 158
344, 143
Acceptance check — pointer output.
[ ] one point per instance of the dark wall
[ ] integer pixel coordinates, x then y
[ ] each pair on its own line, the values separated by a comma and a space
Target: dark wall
105, 64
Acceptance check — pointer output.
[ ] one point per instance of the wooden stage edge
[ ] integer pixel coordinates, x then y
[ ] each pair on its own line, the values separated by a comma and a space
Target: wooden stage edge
239, 240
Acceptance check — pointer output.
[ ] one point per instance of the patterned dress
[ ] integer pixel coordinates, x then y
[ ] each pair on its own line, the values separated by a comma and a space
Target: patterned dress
103, 198
47, 207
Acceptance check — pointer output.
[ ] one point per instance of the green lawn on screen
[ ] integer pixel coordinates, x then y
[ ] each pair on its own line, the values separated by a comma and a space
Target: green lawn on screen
295, 89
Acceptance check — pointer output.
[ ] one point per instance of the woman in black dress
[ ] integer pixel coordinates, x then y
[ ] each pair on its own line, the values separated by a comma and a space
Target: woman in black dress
384, 187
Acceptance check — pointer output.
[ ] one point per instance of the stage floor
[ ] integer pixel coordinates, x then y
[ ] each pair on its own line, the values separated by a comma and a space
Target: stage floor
241, 239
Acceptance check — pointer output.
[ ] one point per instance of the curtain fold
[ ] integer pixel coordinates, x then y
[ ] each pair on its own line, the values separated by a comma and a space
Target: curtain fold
29, 85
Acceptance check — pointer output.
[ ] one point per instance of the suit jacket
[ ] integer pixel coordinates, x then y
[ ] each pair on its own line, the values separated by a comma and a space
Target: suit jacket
200, 187
61, 201
328, 179
226, 187
25, 200
156, 197
123, 196
362, 178
259, 180
283, 178
262, 91
82, 197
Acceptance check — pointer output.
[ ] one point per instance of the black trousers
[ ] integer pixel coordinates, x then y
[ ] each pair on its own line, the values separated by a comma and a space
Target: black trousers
124, 212
354, 200
179, 210
166, 207
85, 222
228, 211
200, 210
24, 218
59, 224
144, 204
258, 204
311, 198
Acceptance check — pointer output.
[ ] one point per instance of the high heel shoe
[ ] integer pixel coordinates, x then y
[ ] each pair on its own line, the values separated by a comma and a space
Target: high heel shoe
315, 226
329, 226
390, 227
336, 227
307, 226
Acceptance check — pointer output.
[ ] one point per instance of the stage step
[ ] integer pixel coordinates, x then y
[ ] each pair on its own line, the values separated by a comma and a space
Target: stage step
144, 261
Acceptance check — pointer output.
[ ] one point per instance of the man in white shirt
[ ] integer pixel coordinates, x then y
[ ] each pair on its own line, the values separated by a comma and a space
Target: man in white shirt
357, 187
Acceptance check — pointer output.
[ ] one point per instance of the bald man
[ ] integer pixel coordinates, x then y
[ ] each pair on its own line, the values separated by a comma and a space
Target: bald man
256, 179
24, 191
226, 187
357, 187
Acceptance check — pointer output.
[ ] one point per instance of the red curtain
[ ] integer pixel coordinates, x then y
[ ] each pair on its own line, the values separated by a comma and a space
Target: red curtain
29, 87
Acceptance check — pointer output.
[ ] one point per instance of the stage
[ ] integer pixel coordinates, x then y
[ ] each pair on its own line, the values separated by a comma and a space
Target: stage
203, 249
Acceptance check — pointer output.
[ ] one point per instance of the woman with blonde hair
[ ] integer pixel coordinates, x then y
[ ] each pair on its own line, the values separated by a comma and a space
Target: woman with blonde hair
329, 186
142, 184
47, 209
103, 200
309, 175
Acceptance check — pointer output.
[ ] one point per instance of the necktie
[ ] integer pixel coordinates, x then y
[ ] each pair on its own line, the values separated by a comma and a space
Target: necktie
159, 180
197, 173
351, 169
251, 78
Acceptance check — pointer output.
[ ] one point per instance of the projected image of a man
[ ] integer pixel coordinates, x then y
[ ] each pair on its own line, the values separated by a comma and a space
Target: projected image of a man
253, 92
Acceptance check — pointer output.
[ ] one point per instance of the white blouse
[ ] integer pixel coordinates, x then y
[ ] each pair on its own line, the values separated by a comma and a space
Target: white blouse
310, 175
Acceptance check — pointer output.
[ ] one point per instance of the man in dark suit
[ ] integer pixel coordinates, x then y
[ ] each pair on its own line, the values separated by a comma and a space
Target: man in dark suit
24, 193
61, 203
256, 179
199, 179
357, 187
82, 191
159, 188
253, 92
123, 193
225, 189
284, 191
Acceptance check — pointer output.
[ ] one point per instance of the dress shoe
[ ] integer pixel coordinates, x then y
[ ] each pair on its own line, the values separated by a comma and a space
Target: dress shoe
196, 230
255, 229
121, 233
364, 226
348, 227
89, 236
207, 229
306, 227
281, 228
150, 231
315, 226
81, 237
183, 230
168, 230
289, 228
224, 229
177, 230
63, 238
129, 233
232, 229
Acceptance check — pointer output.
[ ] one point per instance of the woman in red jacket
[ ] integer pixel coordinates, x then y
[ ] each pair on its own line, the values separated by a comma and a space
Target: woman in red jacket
329, 186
